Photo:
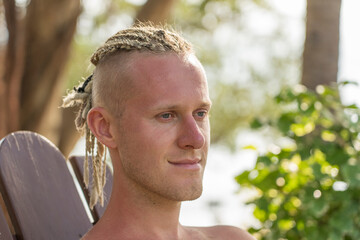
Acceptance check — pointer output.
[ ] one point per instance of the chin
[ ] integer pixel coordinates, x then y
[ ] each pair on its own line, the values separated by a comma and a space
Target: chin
193, 194
192, 198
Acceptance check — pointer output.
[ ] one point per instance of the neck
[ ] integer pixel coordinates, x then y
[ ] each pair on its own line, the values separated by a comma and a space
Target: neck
134, 213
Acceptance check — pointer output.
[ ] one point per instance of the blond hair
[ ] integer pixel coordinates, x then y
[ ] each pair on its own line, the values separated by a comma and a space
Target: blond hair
140, 38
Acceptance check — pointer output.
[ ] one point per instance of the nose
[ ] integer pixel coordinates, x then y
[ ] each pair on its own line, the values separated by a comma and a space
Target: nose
191, 135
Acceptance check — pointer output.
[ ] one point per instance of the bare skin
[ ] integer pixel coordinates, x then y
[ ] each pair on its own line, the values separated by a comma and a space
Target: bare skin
159, 149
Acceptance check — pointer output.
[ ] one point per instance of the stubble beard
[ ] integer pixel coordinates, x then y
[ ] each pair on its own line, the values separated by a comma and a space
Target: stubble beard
156, 186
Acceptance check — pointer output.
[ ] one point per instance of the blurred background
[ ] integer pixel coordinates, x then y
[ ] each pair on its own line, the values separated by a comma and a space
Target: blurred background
284, 162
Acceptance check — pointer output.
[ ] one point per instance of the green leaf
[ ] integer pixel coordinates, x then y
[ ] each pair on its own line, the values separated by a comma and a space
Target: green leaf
243, 178
335, 155
348, 82
328, 136
286, 224
256, 124
265, 160
342, 219
266, 180
335, 235
351, 174
317, 171
250, 147
260, 214
301, 129
318, 207
285, 122
352, 106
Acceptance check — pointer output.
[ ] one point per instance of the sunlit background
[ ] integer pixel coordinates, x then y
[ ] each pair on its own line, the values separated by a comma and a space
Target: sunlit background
242, 53
251, 50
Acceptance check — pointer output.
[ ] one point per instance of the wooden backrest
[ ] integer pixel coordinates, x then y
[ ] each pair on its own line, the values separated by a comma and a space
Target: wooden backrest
77, 162
38, 189
5, 233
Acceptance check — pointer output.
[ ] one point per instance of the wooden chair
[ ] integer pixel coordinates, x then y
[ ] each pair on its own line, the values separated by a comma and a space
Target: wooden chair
78, 167
5, 233
38, 190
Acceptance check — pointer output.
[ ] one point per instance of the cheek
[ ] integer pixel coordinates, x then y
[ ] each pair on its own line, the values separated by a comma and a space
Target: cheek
157, 137
147, 137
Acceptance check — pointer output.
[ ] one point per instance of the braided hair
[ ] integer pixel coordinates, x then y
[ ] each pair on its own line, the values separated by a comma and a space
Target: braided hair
140, 38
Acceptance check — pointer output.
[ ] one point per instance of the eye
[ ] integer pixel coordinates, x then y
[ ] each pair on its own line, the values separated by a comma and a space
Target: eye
166, 116
201, 114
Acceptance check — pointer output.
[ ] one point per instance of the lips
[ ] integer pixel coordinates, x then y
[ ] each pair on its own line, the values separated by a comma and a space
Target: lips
193, 164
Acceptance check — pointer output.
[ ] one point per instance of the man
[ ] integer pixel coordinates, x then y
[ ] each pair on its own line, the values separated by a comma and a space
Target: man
148, 103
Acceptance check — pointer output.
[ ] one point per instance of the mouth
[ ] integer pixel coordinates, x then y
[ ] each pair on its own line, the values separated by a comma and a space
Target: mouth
190, 164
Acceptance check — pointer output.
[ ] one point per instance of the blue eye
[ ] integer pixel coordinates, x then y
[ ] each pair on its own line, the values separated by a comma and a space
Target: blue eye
201, 114
166, 115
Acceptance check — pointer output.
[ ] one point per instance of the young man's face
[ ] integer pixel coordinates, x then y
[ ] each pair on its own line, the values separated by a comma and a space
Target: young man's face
163, 134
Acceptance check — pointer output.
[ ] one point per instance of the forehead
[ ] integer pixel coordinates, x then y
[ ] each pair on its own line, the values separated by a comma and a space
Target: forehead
168, 79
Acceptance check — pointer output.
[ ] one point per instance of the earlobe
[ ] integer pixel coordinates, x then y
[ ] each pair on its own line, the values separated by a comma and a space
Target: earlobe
98, 120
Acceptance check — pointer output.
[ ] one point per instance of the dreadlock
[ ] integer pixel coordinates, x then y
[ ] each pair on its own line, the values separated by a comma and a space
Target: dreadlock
140, 38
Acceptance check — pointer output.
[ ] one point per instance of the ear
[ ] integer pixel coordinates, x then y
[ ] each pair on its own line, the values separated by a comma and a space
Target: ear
99, 122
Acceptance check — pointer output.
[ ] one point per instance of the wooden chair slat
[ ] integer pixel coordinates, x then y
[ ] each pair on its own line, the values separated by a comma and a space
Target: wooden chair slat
38, 189
77, 162
5, 233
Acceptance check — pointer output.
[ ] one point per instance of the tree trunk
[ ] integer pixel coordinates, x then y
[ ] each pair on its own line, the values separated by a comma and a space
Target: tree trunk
49, 32
36, 52
12, 72
321, 50
155, 11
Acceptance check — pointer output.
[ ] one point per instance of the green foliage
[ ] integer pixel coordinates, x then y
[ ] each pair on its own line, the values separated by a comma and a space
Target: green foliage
310, 189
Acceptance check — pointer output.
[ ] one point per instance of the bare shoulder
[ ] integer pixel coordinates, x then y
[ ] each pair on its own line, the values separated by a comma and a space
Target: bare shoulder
224, 232
230, 232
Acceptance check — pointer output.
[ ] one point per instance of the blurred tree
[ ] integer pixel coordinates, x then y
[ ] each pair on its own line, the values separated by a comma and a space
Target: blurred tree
239, 83
321, 50
245, 68
309, 187
36, 52
248, 56
39, 37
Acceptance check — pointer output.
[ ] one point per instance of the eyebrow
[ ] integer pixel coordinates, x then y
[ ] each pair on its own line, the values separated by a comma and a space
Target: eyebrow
206, 104
177, 106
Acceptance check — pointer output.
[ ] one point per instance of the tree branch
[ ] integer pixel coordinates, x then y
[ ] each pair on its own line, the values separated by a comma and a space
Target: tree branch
13, 69
155, 11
